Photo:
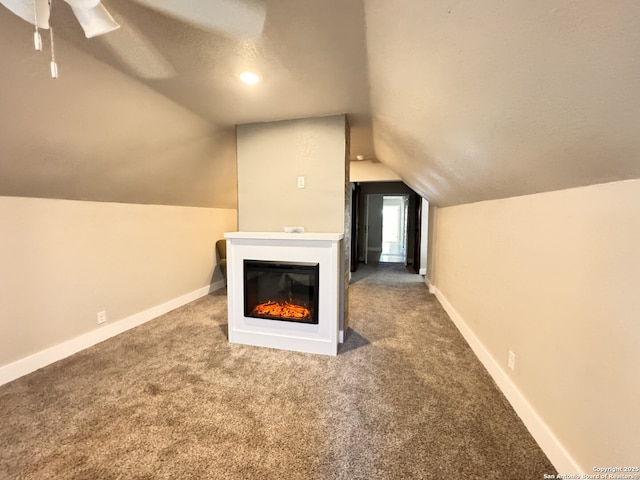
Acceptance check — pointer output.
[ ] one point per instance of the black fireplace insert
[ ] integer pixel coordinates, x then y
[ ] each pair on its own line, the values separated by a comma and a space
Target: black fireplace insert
286, 291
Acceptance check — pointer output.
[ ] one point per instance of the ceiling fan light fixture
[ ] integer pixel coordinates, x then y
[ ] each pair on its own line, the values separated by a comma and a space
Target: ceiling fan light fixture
36, 12
249, 78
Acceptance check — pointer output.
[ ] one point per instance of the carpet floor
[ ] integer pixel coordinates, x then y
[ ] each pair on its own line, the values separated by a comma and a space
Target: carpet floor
172, 399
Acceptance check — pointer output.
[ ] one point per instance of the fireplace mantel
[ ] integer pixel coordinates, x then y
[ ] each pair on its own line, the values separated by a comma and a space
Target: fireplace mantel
333, 237
321, 248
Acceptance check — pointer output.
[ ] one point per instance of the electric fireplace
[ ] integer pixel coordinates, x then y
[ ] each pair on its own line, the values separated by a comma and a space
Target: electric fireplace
285, 291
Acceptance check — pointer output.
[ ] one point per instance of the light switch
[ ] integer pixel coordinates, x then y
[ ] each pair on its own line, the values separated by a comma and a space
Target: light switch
300, 182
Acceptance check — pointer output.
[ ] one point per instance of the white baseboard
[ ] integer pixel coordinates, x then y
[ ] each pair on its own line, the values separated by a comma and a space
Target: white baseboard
422, 271
549, 443
50, 355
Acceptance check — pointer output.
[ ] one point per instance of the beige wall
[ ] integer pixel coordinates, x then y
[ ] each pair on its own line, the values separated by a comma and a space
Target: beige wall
368, 171
555, 278
63, 261
271, 156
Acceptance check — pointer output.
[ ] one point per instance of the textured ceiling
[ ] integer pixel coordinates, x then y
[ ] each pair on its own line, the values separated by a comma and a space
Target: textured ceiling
475, 100
464, 100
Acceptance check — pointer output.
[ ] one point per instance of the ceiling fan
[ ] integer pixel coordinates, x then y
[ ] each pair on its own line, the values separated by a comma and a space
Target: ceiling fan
91, 14
232, 18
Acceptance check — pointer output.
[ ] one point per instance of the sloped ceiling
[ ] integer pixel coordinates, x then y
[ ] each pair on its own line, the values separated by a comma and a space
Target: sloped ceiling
476, 100
465, 100
96, 134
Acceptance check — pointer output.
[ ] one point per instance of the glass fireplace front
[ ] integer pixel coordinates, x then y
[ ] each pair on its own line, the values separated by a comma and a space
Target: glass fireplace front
284, 291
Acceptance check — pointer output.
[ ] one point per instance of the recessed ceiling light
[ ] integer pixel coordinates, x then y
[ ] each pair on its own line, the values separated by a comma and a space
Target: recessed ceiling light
249, 78
360, 157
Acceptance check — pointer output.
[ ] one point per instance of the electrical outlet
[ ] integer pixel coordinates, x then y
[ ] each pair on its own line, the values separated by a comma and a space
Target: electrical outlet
102, 316
300, 182
512, 360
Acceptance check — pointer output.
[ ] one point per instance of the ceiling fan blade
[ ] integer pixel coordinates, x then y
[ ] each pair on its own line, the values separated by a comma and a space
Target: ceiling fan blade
24, 9
235, 18
93, 17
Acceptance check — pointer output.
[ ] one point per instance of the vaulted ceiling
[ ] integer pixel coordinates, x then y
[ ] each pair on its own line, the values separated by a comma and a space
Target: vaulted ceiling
466, 100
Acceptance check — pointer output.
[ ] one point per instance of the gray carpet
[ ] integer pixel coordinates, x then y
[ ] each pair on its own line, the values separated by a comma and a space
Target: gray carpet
172, 399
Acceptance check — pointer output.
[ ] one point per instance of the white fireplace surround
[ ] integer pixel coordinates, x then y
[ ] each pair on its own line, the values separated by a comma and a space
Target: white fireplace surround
321, 248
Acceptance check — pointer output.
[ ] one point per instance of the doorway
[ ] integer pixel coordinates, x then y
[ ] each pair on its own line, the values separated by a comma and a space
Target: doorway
386, 228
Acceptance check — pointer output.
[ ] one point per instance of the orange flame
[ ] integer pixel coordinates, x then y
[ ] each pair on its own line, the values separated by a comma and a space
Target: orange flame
284, 310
